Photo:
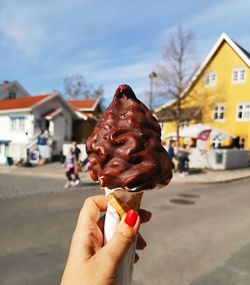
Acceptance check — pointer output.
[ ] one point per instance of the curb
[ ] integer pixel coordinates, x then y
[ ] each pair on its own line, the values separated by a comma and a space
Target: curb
61, 176
211, 181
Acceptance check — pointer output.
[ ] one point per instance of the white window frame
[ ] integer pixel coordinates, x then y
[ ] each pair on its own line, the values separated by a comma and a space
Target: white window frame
12, 95
17, 124
211, 79
21, 124
14, 122
184, 124
243, 108
219, 109
237, 74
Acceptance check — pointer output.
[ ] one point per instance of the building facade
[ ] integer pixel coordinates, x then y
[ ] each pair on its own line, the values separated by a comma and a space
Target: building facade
218, 95
34, 123
41, 124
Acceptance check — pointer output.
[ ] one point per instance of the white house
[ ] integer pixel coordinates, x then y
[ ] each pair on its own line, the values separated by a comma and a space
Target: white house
29, 123
12, 90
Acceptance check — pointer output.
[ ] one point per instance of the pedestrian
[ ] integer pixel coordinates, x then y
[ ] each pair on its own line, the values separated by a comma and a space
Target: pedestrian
70, 165
77, 154
91, 261
183, 160
171, 153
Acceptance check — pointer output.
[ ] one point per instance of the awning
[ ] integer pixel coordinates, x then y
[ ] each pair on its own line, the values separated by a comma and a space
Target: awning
193, 131
4, 142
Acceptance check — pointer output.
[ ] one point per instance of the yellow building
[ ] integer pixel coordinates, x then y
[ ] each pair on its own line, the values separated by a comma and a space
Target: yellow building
218, 94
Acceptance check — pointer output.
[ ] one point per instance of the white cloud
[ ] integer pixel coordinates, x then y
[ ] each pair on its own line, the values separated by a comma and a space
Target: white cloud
135, 74
19, 26
126, 72
110, 45
221, 16
220, 12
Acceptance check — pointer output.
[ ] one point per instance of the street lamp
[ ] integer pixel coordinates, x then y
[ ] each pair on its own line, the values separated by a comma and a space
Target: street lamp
152, 75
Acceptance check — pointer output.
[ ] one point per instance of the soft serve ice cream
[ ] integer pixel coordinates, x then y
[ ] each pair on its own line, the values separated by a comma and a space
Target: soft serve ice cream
125, 147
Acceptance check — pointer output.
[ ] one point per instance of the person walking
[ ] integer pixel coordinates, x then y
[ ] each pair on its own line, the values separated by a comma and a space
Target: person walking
70, 165
171, 153
77, 154
183, 160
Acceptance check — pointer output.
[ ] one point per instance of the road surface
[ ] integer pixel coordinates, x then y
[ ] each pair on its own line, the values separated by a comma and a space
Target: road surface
205, 241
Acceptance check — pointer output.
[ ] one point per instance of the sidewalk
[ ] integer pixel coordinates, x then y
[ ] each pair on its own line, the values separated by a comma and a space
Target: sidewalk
213, 176
51, 170
56, 170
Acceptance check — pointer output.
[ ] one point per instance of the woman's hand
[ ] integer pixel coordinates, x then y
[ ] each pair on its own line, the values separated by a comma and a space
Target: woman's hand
92, 262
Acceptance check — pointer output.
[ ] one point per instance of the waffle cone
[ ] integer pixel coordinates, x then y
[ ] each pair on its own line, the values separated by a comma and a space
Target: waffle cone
125, 201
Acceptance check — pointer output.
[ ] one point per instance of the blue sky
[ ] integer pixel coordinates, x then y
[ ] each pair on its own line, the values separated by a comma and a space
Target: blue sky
109, 42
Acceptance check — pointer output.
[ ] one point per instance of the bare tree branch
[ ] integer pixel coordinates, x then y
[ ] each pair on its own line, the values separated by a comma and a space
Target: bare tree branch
75, 87
174, 74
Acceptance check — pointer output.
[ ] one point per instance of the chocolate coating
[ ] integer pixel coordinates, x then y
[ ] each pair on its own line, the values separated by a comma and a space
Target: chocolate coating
125, 147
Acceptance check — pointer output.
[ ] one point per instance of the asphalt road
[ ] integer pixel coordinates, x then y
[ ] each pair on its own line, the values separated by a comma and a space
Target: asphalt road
203, 242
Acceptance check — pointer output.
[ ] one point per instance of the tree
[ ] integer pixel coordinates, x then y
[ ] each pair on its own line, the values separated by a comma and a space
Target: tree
75, 87
178, 67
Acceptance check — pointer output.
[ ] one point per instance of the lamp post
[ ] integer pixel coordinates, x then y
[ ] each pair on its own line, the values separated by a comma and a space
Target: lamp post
152, 75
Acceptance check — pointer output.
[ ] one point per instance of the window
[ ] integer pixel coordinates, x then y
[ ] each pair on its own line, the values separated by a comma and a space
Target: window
21, 124
1, 149
17, 123
243, 112
210, 79
12, 95
13, 124
238, 75
184, 124
219, 112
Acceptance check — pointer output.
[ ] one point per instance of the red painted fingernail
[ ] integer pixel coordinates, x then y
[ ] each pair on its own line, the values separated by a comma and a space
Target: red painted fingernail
131, 218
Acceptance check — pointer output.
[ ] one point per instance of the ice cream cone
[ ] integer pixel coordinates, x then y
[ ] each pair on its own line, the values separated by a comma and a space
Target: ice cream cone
122, 202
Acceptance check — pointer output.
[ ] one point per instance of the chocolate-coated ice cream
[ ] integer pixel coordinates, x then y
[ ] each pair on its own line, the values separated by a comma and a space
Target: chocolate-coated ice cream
125, 149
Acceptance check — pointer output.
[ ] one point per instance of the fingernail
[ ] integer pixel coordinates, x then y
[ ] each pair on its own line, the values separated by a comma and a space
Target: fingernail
131, 218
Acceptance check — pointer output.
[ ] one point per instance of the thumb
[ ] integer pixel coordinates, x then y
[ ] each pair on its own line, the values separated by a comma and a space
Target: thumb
123, 237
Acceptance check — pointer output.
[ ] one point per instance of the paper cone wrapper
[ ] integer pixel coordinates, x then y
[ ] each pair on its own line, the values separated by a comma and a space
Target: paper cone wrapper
120, 201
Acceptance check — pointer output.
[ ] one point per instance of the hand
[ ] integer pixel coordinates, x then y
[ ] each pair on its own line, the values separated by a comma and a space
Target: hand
92, 262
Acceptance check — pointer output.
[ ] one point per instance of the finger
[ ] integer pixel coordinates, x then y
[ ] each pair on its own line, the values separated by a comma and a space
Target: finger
88, 237
145, 215
101, 222
88, 218
141, 243
123, 237
91, 209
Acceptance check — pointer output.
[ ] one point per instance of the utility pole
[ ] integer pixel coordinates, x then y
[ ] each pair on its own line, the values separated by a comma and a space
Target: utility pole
152, 75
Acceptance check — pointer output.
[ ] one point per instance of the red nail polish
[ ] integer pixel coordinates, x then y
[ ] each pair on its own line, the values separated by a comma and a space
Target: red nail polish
131, 218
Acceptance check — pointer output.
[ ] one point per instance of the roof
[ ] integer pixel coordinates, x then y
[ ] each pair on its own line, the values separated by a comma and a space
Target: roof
85, 105
7, 84
23, 103
53, 113
85, 116
243, 50
185, 114
242, 53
